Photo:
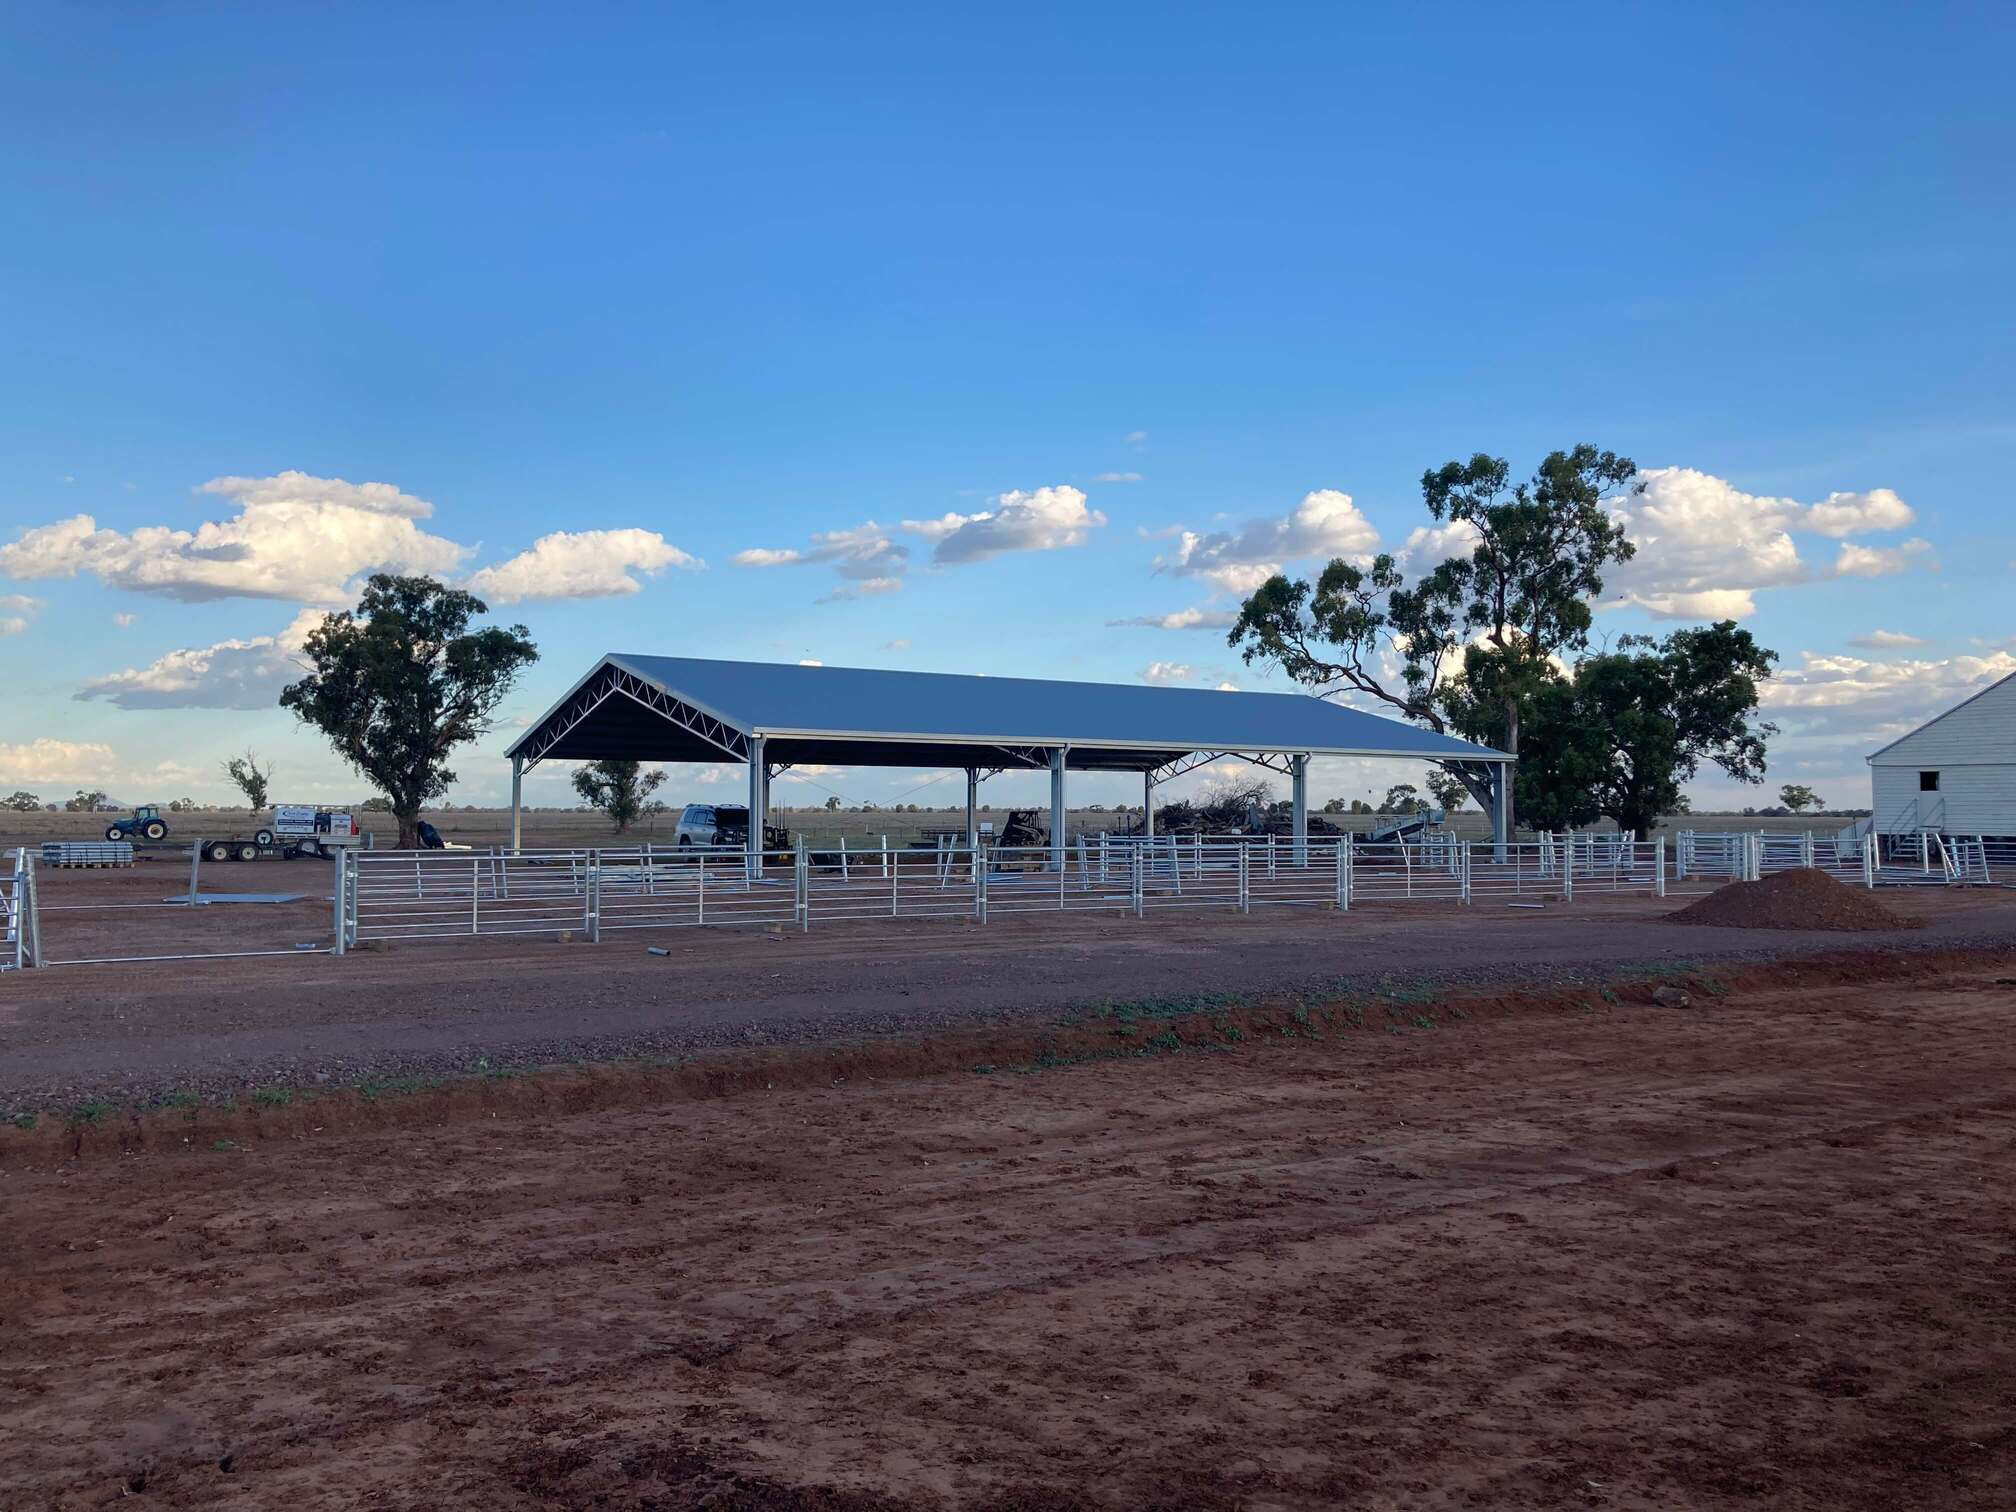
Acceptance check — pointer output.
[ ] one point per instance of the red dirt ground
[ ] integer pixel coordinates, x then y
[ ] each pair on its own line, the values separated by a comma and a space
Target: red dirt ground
1794, 900
1754, 1253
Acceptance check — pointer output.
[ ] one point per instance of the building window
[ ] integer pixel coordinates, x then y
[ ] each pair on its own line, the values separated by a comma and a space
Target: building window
1928, 782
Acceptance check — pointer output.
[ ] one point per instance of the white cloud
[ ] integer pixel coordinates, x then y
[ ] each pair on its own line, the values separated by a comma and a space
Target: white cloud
1325, 524
580, 564
1877, 561
1181, 619
233, 674
124, 621
1136, 438
809, 662
1846, 514
896, 645
1120, 477
1228, 687
1886, 640
1167, 672
866, 588
47, 760
864, 557
15, 611
1043, 519
1429, 546
294, 537
1705, 547
1876, 701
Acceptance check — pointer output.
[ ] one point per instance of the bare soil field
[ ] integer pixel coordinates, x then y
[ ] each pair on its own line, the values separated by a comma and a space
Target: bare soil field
137, 1032
1508, 1249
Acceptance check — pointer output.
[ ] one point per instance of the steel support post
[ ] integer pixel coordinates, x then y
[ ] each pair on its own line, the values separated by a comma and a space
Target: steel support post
517, 804
972, 808
1057, 811
1659, 867
1245, 878
342, 887
759, 789
1299, 785
1148, 804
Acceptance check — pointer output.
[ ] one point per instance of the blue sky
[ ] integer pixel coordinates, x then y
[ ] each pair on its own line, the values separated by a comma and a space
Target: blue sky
686, 286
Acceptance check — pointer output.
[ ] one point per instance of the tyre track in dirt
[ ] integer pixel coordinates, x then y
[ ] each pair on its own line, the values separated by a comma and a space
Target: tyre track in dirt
943, 1286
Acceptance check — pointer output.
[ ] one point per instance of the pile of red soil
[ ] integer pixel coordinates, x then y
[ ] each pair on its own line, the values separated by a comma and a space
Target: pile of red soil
1793, 900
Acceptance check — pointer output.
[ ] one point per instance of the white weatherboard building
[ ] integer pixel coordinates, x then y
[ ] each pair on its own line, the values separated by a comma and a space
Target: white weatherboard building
1955, 775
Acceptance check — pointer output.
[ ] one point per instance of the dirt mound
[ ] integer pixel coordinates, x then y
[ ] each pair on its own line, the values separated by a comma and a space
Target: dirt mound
1793, 900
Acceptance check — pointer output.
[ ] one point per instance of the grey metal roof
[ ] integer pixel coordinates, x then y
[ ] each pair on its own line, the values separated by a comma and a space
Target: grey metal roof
669, 708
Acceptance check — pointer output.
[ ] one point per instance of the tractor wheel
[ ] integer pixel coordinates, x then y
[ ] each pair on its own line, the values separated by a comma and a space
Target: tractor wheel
248, 853
218, 852
155, 830
113, 832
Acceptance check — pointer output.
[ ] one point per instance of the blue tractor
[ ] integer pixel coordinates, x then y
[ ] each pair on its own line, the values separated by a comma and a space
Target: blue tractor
144, 823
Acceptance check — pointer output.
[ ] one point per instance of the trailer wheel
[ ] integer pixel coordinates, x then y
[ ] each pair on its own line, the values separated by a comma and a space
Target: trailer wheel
218, 852
264, 837
248, 852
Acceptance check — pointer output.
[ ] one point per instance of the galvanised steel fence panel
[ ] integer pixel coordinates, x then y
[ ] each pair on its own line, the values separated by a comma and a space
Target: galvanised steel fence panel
18, 913
1424, 870
669, 889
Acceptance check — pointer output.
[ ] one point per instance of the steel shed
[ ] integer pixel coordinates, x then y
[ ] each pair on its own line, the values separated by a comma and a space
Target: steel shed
772, 716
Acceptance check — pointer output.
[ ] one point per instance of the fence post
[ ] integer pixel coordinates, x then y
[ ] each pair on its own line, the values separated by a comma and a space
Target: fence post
801, 871
1463, 869
594, 897
1659, 867
1345, 852
475, 896
342, 882
1568, 868
979, 886
1869, 843
1806, 850
702, 900
1245, 867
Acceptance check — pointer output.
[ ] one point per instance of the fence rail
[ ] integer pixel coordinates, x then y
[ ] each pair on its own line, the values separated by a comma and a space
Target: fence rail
386, 896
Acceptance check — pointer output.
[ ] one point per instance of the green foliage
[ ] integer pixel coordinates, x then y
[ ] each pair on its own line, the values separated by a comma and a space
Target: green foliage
832, 805
86, 803
1620, 735
250, 778
1798, 797
1522, 590
618, 788
1448, 791
20, 801
1402, 798
401, 682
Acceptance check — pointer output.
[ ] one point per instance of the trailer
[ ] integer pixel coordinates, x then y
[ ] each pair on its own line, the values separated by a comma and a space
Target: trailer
291, 831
